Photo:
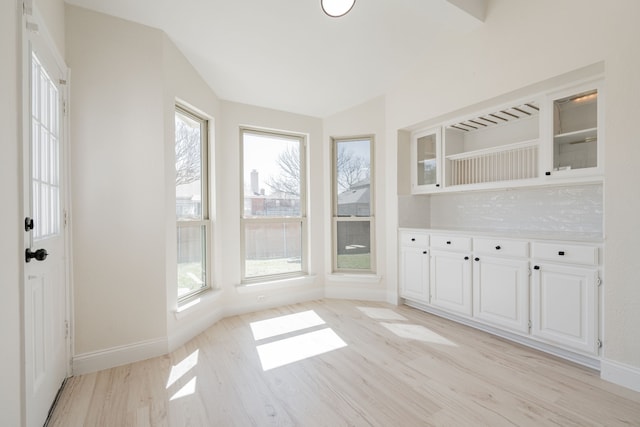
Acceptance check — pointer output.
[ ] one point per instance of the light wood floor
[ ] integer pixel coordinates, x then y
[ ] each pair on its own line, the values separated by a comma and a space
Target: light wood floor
390, 366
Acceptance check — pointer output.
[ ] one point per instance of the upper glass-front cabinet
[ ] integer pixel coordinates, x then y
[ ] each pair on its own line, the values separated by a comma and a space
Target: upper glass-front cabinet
425, 164
577, 146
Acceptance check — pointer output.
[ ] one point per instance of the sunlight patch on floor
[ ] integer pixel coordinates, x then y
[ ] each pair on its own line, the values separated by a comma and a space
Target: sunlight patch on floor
188, 389
417, 332
381, 313
299, 347
179, 370
285, 324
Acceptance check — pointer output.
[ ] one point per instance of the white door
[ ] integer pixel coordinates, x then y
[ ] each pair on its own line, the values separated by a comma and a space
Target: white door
414, 273
564, 306
501, 292
451, 282
45, 272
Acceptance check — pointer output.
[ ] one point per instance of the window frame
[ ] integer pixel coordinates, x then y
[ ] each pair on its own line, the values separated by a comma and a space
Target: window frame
335, 219
205, 204
302, 219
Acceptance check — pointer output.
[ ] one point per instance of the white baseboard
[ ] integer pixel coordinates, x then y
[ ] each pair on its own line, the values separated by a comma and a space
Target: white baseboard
621, 374
117, 356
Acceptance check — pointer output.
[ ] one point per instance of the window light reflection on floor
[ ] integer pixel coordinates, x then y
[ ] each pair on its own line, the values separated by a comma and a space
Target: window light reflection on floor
299, 347
381, 313
417, 332
179, 370
187, 390
285, 324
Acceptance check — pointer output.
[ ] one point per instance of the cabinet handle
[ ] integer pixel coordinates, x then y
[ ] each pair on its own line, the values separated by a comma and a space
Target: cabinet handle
561, 253
537, 267
448, 242
466, 258
547, 173
424, 252
413, 239
476, 259
498, 248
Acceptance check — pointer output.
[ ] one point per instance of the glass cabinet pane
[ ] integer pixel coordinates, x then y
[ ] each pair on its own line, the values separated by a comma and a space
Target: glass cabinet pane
426, 157
575, 130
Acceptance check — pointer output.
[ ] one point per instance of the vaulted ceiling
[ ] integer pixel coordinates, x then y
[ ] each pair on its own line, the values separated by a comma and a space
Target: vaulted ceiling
288, 55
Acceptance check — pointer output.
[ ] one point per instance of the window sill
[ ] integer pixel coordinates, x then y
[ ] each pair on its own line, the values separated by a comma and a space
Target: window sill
246, 288
354, 278
196, 303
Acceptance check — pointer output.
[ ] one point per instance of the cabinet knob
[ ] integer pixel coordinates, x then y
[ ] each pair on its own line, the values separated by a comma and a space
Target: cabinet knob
537, 267
476, 259
547, 173
424, 252
561, 253
448, 242
466, 258
437, 185
498, 248
413, 239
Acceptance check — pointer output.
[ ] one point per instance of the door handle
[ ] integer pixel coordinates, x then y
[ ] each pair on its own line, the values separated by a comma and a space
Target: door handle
39, 255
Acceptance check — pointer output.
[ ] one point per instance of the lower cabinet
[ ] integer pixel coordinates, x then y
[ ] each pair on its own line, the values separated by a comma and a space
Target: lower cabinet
414, 273
546, 291
451, 281
564, 307
501, 292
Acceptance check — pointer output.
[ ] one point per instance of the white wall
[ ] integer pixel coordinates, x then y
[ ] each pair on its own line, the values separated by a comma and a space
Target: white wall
118, 181
183, 83
365, 119
249, 298
523, 43
11, 241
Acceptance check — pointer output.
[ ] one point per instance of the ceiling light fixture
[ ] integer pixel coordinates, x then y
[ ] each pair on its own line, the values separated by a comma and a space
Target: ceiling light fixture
337, 8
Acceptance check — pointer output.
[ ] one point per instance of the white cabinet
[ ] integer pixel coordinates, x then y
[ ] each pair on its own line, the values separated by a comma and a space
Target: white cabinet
451, 281
564, 296
426, 146
501, 283
575, 132
414, 266
564, 306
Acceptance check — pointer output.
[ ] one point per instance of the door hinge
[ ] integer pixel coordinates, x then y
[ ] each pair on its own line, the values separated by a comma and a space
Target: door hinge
62, 81
65, 217
530, 272
27, 7
598, 281
599, 343
66, 329
64, 108
529, 324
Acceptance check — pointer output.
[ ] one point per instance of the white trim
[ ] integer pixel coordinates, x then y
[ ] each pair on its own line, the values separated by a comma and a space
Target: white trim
287, 282
618, 373
117, 356
356, 293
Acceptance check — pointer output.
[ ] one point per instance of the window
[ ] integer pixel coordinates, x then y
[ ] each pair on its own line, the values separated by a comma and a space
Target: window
192, 204
273, 225
353, 226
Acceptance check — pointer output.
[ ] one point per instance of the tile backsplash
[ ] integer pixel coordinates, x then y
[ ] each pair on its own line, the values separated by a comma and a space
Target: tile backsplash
566, 209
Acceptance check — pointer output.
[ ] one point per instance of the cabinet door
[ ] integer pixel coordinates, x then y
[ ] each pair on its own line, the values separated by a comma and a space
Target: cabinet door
451, 281
414, 273
501, 292
564, 306
425, 160
576, 126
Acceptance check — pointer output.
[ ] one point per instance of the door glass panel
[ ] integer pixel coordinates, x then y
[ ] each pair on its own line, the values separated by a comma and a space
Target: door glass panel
575, 126
354, 245
427, 160
45, 151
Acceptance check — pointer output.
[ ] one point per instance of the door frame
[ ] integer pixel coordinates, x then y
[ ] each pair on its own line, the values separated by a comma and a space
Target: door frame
29, 18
